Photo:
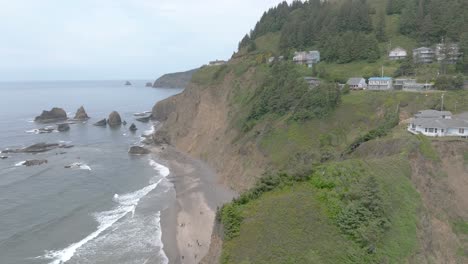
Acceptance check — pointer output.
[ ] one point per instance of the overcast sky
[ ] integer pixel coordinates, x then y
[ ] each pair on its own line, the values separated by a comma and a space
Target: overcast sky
118, 39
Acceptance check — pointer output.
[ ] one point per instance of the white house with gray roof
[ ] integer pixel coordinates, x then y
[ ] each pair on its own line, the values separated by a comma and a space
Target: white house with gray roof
357, 83
435, 123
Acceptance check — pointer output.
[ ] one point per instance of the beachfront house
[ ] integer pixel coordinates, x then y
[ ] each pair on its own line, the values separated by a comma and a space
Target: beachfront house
308, 58
397, 53
357, 83
423, 55
380, 83
435, 123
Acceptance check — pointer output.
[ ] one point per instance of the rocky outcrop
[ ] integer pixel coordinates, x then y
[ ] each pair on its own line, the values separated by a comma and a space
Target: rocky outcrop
63, 127
3, 157
30, 163
127, 83
114, 119
144, 119
102, 123
137, 150
81, 114
37, 148
175, 80
55, 114
161, 111
133, 128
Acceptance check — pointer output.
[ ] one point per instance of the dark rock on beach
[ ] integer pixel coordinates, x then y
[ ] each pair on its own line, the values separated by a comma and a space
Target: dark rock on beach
37, 148
55, 114
133, 128
137, 150
30, 163
63, 127
103, 122
81, 114
144, 119
114, 119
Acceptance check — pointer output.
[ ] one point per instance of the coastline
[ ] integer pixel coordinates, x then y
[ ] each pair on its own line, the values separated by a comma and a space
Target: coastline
188, 222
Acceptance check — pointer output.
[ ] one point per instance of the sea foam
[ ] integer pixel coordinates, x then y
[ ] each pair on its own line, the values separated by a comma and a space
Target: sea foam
126, 203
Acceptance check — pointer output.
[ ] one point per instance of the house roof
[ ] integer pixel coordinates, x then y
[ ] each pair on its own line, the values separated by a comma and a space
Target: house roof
354, 81
423, 48
380, 78
441, 123
432, 114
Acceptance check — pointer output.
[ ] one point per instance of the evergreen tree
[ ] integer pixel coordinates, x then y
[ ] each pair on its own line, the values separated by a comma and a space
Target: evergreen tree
380, 30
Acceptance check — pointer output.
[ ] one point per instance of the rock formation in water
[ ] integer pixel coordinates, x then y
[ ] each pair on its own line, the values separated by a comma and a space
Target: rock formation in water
55, 114
127, 83
144, 119
3, 157
148, 84
37, 148
133, 127
114, 119
63, 127
81, 114
30, 163
102, 122
137, 150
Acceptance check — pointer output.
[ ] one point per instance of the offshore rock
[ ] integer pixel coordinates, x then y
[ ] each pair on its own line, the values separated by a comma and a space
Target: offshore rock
55, 114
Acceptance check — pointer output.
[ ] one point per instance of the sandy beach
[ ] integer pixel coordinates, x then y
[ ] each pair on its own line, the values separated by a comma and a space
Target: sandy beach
188, 222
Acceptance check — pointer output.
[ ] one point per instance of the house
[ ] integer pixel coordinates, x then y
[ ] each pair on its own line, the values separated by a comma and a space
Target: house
380, 83
435, 123
312, 81
357, 83
397, 54
423, 55
417, 87
399, 83
448, 53
308, 58
217, 63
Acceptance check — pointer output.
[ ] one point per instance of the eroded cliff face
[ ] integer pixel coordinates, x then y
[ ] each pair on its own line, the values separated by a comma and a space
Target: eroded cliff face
198, 122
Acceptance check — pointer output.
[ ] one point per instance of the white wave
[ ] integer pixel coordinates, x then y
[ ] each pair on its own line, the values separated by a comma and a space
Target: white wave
126, 204
21, 163
163, 170
79, 165
149, 131
65, 142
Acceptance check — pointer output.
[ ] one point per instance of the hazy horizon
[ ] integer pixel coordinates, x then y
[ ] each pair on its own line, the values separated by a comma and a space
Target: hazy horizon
55, 40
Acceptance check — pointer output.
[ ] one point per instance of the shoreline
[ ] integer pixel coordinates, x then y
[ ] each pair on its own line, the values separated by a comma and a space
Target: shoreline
189, 220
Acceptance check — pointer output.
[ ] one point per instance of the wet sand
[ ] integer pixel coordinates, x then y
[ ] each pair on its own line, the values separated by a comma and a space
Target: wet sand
188, 222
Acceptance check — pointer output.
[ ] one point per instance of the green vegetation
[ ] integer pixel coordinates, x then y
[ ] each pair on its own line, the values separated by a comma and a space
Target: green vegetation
345, 212
460, 227
426, 148
286, 91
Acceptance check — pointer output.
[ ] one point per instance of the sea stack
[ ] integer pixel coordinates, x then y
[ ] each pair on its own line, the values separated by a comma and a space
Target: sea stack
55, 114
133, 128
102, 122
63, 127
81, 114
127, 83
114, 119
148, 84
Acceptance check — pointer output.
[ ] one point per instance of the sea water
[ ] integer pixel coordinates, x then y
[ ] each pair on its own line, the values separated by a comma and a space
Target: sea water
106, 207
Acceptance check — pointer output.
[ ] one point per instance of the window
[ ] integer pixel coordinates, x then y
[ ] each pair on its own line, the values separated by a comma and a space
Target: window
436, 130
461, 131
431, 130
442, 130
425, 130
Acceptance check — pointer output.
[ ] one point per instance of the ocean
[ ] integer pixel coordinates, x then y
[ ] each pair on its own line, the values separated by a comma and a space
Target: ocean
105, 211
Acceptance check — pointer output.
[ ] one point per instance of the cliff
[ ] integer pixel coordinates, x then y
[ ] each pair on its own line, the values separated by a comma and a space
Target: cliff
199, 122
174, 80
